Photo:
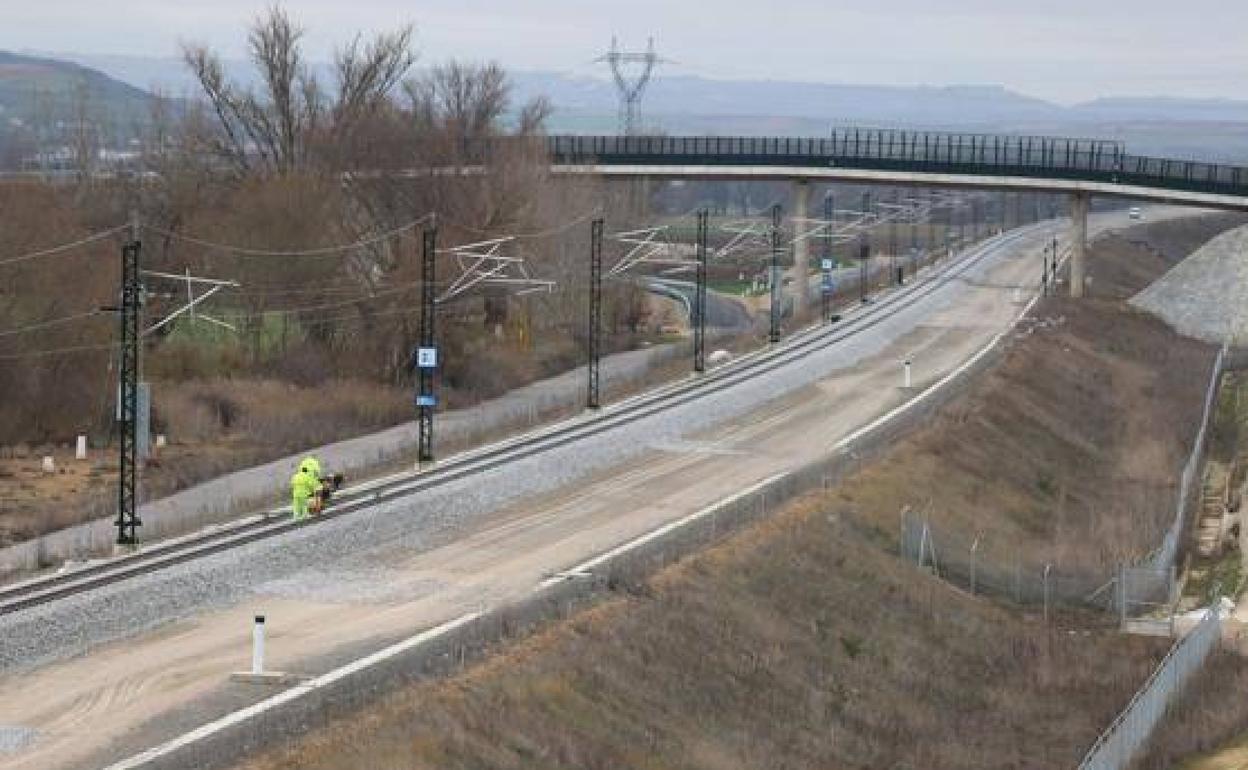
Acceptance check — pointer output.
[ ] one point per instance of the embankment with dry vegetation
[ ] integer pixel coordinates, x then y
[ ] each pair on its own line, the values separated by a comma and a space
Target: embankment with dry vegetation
801, 643
1069, 451
804, 642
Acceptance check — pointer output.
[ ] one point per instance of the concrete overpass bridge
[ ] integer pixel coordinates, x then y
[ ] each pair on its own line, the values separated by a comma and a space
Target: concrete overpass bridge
1080, 168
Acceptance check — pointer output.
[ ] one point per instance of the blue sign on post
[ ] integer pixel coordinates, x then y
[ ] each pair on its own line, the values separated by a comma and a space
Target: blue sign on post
829, 286
827, 265
427, 358
426, 400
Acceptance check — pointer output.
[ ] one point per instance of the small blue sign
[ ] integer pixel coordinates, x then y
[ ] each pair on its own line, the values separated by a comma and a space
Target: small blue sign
827, 265
427, 358
426, 400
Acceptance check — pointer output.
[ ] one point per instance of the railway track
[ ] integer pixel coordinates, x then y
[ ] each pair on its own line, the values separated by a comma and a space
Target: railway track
47, 589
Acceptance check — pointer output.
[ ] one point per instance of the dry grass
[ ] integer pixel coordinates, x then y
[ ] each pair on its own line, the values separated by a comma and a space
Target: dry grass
1069, 451
800, 643
215, 426
1212, 713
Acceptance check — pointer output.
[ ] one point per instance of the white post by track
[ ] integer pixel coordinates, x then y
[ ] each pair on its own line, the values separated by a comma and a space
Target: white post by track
80, 451
257, 674
257, 646
907, 377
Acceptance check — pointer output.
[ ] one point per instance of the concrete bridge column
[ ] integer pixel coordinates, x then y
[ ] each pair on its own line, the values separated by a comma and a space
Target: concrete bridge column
1079, 204
801, 247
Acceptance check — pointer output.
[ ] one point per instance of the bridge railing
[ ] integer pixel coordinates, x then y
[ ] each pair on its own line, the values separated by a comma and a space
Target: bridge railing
919, 151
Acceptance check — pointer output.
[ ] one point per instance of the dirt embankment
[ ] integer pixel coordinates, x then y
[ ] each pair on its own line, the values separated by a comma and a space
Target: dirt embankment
1069, 451
804, 642
801, 643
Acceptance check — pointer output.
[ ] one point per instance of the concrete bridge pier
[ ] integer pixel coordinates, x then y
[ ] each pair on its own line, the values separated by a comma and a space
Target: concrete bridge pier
801, 247
1079, 204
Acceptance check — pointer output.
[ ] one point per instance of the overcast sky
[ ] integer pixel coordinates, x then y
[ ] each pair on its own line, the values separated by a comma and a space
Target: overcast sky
1064, 50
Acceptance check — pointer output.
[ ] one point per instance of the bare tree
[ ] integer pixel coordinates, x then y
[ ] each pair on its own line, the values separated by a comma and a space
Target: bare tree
277, 129
368, 75
463, 100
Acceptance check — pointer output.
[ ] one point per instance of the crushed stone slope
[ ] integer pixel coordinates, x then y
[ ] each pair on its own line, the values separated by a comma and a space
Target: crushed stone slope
1204, 295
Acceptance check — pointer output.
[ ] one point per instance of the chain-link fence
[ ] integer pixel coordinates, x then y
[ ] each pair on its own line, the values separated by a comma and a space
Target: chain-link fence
968, 563
1123, 739
1167, 553
1142, 589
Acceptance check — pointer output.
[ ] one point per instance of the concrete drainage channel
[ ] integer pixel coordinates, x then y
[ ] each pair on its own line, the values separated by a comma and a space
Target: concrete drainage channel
447, 648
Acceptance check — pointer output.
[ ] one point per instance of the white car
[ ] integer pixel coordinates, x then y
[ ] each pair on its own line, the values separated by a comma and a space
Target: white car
1135, 213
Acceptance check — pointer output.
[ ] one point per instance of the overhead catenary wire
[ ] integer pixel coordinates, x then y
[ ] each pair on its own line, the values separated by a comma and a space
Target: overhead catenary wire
64, 247
49, 323
59, 351
532, 235
323, 251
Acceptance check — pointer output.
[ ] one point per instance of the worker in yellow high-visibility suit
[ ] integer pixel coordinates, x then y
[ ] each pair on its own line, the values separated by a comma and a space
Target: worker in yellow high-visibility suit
303, 486
314, 466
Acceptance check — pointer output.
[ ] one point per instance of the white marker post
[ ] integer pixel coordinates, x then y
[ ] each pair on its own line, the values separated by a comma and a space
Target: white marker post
907, 373
80, 451
257, 674
257, 646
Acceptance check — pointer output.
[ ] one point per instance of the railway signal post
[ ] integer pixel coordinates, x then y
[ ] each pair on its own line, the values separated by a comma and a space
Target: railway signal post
776, 279
829, 261
595, 311
427, 352
699, 304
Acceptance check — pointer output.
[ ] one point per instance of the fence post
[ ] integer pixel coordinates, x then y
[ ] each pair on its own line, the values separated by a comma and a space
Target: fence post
974, 563
1122, 594
1047, 569
1018, 579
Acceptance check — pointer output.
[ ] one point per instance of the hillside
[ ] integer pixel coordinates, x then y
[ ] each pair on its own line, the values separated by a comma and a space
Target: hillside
33, 87
48, 106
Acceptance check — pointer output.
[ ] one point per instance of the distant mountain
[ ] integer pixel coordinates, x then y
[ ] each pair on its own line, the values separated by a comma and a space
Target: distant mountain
1203, 128
826, 103
51, 90
1162, 109
165, 74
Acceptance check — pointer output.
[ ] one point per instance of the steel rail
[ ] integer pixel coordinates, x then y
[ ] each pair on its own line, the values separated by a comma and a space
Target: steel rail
45, 590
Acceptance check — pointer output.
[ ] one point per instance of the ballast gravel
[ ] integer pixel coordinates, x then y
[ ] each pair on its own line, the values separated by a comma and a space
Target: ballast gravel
1203, 296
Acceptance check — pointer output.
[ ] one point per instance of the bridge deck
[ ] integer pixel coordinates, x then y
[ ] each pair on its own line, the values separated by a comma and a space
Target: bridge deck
913, 152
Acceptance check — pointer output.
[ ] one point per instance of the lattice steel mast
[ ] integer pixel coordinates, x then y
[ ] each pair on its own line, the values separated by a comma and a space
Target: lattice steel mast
128, 391
631, 88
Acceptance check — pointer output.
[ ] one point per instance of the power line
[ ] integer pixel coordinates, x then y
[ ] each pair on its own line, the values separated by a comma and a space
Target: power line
59, 351
63, 247
49, 324
535, 234
317, 252
402, 288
